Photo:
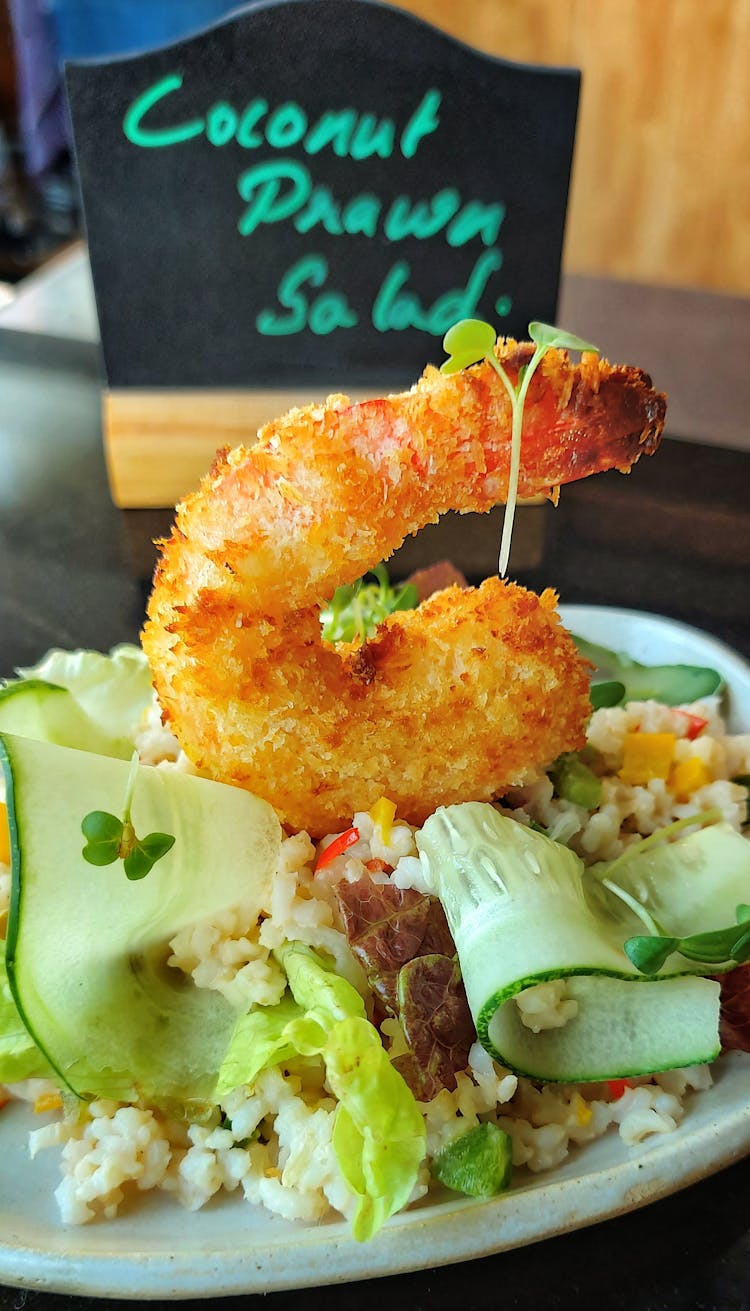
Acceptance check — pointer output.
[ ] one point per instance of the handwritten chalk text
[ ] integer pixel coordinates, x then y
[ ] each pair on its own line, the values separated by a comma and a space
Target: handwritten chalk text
347, 132
396, 306
283, 189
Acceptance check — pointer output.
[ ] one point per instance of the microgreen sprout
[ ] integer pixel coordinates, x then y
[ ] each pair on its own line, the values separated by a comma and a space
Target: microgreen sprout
109, 839
643, 914
470, 341
718, 947
356, 609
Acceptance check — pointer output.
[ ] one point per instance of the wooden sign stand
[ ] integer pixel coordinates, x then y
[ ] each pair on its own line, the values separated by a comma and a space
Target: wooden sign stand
159, 443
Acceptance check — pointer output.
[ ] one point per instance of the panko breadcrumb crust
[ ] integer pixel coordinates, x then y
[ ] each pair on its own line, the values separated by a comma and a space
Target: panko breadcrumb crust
454, 701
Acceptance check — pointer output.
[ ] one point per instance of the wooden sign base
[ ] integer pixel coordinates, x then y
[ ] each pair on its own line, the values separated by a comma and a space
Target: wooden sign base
158, 444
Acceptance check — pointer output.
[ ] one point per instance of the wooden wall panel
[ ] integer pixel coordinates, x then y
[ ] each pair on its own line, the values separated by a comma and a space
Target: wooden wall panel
661, 184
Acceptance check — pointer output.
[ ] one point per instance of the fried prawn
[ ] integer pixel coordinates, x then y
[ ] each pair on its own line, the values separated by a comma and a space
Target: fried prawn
456, 700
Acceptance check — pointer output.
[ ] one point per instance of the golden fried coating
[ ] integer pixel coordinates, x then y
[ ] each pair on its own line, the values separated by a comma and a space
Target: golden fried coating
454, 701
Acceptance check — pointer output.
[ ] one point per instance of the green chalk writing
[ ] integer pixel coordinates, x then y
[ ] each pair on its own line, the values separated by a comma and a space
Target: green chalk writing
133, 127
275, 191
397, 307
347, 132
280, 190
286, 126
322, 315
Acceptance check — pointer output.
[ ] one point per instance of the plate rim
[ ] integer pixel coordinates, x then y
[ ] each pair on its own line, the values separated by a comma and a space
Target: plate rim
571, 1204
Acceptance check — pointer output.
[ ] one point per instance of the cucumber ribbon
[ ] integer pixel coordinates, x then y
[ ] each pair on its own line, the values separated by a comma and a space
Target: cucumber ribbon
524, 910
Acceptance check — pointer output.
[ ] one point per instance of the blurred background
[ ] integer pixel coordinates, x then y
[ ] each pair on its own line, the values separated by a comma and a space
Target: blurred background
661, 183
39, 204
661, 179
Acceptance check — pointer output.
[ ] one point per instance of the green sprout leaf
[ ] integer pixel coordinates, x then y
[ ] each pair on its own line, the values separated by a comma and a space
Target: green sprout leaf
649, 953
104, 835
144, 854
110, 838
718, 947
722, 945
471, 340
466, 343
546, 337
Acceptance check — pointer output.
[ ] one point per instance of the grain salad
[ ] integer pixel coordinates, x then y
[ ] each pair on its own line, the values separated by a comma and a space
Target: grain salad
271, 1142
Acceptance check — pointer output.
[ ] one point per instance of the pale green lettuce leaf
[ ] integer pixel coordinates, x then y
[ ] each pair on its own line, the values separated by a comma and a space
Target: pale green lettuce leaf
298, 1025
316, 987
259, 1039
109, 694
20, 1058
379, 1138
323, 996
379, 1134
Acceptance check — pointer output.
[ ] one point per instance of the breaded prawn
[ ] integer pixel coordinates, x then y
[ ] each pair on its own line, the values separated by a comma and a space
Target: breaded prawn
456, 700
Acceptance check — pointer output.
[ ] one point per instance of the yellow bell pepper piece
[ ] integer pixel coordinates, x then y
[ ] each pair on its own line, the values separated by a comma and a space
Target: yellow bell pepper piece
382, 816
646, 756
687, 776
580, 1109
4, 835
51, 1101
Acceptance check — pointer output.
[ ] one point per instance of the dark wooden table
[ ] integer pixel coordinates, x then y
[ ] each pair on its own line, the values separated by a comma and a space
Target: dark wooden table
672, 538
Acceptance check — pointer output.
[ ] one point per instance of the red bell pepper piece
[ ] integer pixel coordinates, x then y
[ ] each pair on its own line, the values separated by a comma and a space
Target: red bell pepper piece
335, 848
617, 1088
696, 724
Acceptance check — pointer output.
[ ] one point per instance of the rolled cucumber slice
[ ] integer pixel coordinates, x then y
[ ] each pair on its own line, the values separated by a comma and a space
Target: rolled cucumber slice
520, 912
87, 949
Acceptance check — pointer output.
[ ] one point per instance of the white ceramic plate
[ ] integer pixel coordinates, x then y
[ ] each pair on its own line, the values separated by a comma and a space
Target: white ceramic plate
156, 1250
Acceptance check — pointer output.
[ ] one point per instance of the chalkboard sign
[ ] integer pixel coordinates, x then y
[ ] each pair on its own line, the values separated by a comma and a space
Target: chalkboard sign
308, 194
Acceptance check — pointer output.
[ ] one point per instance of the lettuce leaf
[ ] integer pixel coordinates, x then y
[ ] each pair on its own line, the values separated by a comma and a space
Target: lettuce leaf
734, 1015
437, 1024
80, 699
112, 689
318, 990
403, 942
20, 1058
387, 926
379, 1136
258, 1040
379, 1133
